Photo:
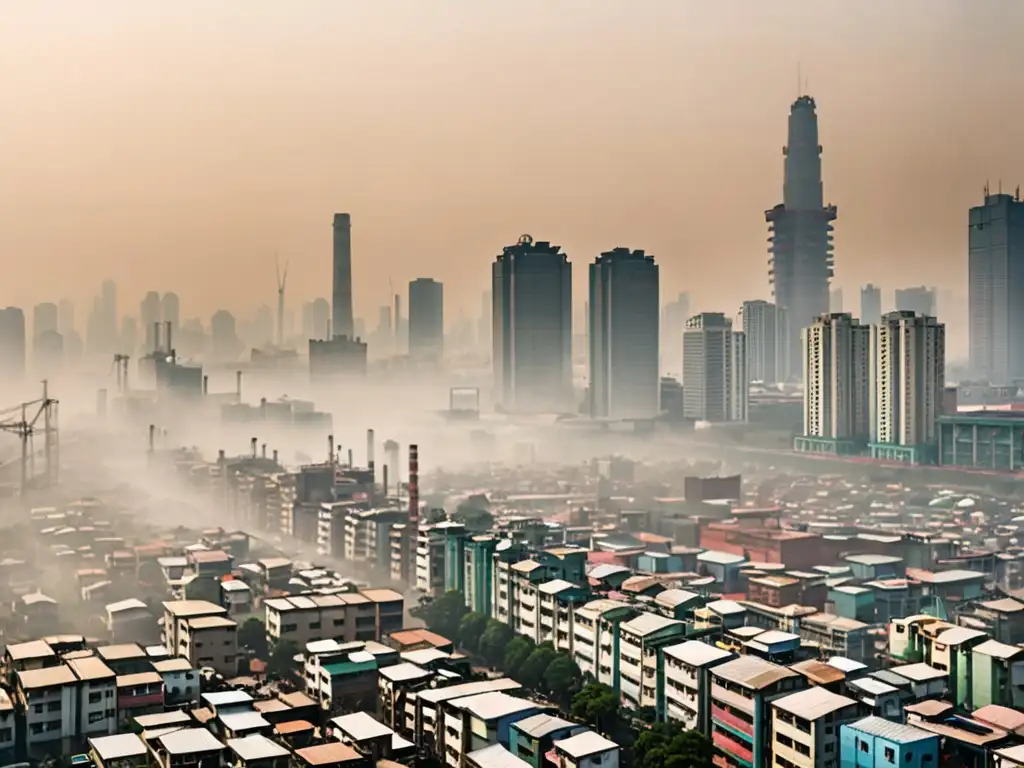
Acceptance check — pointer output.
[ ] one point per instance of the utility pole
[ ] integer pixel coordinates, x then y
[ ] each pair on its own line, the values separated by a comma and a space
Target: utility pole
47, 437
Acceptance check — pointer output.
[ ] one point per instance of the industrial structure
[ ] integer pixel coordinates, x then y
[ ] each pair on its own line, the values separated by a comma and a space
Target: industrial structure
342, 323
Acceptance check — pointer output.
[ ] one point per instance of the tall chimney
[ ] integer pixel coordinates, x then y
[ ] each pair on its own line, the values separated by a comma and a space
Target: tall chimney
254, 441
350, 458
238, 385
263, 448
170, 341
385, 482
330, 449
206, 384
152, 437
156, 336
275, 455
369, 453
414, 484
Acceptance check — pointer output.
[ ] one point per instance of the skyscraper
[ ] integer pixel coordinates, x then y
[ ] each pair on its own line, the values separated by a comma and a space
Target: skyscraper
316, 319
715, 378
66, 317
908, 378
835, 301
919, 299
870, 304
768, 353
342, 319
150, 314
44, 318
532, 328
996, 288
224, 341
623, 320
12, 343
801, 228
426, 319
673, 320
836, 364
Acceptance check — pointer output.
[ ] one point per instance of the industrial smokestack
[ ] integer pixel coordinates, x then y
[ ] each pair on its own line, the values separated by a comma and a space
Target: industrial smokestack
170, 341
264, 451
369, 453
206, 385
330, 449
238, 385
350, 458
384, 482
152, 437
254, 441
414, 484
220, 456
275, 455
156, 337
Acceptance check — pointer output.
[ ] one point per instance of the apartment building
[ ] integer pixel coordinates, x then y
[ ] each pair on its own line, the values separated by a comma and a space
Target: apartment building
96, 708
640, 639
806, 725
342, 616
431, 545
596, 638
688, 668
555, 601
474, 722
7, 727
429, 719
741, 692
181, 681
875, 741
396, 685
586, 749
177, 612
838, 636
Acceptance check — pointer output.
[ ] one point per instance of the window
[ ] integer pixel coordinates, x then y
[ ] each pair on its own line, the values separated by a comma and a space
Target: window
890, 755
863, 745
37, 708
95, 717
53, 706
95, 697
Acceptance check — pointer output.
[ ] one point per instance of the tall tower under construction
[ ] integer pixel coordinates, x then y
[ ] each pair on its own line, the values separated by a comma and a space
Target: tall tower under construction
801, 229
341, 322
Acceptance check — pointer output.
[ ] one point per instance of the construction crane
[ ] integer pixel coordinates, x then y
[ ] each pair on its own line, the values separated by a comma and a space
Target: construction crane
282, 281
121, 363
23, 424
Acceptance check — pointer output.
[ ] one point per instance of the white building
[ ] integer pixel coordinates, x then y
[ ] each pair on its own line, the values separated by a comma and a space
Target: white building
908, 376
638, 660
715, 377
688, 682
471, 722
836, 359
765, 325
431, 541
181, 681
805, 727
586, 749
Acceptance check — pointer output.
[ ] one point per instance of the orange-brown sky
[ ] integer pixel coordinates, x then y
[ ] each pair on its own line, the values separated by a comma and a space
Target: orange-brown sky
178, 145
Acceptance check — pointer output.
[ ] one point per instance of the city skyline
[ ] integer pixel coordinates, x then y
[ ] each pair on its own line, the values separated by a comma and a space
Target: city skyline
695, 168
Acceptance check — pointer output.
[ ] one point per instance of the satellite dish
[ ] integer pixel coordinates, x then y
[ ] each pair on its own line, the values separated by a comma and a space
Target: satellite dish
526, 239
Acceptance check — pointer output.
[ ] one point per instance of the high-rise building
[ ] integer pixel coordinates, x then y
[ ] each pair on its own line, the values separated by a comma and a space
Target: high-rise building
483, 328
532, 328
801, 228
623, 322
129, 339
150, 315
919, 299
108, 316
426, 319
45, 318
908, 379
66, 317
224, 341
316, 319
765, 327
996, 288
673, 321
835, 301
870, 304
836, 351
12, 344
342, 323
170, 312
715, 378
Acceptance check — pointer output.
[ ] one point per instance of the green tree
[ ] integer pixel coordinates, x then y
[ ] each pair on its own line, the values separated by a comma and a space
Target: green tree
443, 615
516, 654
597, 705
282, 660
253, 635
494, 641
669, 745
562, 679
471, 630
531, 674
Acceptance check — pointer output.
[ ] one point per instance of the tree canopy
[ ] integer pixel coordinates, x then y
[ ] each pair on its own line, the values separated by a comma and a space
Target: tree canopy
668, 745
253, 635
443, 614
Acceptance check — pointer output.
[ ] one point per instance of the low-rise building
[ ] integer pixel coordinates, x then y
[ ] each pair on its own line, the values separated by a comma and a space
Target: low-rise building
473, 722
531, 738
139, 694
584, 750
121, 750
640, 664
210, 641
688, 668
345, 617
806, 725
181, 681
874, 741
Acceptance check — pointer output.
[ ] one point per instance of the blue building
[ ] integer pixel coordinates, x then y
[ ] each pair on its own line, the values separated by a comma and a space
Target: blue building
533, 737
874, 741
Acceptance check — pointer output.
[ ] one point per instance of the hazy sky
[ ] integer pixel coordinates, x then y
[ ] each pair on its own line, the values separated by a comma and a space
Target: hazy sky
177, 145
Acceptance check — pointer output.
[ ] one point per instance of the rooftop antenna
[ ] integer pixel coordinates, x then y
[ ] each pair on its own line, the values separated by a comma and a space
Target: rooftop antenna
282, 281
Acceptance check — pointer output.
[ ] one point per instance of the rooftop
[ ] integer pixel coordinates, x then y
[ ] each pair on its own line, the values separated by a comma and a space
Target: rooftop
33, 649
649, 623
813, 703
184, 609
494, 705
360, 726
539, 726
414, 636
256, 747
329, 753
696, 653
752, 672
495, 756
918, 673
189, 741
895, 732
90, 668
585, 744
118, 652
118, 747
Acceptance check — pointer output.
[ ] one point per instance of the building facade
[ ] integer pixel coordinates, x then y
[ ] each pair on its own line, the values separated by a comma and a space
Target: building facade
426, 320
623, 309
532, 328
908, 379
715, 379
919, 299
342, 323
837, 412
765, 326
870, 304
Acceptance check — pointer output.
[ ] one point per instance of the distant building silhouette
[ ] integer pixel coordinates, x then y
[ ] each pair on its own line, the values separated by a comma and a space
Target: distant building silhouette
673, 320
316, 319
870, 304
919, 299
801, 228
623, 321
426, 320
996, 288
340, 357
12, 344
150, 315
224, 341
170, 312
532, 330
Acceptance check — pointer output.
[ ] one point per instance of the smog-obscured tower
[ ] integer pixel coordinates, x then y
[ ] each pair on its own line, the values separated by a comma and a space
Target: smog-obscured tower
801, 229
342, 324
532, 328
